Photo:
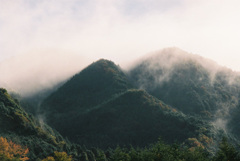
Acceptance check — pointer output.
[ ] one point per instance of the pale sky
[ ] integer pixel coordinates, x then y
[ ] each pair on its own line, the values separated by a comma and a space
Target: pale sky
120, 30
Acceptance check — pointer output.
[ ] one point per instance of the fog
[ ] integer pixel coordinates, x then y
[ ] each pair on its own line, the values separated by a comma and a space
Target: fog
158, 69
168, 59
43, 42
30, 73
121, 30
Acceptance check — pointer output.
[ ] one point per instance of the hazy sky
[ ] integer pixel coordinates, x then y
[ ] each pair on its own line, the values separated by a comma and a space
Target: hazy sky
121, 30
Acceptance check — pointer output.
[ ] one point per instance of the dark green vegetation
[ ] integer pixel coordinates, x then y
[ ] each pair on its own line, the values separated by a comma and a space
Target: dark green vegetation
98, 107
193, 85
187, 84
187, 101
24, 129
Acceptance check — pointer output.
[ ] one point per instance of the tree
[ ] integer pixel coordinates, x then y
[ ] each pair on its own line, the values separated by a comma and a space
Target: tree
59, 156
226, 152
11, 151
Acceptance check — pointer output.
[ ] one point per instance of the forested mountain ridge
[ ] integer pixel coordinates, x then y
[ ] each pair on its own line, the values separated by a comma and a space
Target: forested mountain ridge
173, 95
99, 107
93, 85
188, 82
194, 85
134, 118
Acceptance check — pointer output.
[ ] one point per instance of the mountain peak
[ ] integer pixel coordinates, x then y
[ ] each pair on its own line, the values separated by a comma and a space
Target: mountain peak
93, 85
103, 65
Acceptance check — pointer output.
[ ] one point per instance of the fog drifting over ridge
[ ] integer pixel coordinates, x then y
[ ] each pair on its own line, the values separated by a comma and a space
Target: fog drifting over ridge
119, 30
30, 73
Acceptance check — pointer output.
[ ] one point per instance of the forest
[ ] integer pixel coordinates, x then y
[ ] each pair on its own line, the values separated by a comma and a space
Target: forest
166, 107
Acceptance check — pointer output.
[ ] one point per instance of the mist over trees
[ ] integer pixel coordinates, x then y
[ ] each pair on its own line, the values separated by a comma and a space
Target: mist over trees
171, 105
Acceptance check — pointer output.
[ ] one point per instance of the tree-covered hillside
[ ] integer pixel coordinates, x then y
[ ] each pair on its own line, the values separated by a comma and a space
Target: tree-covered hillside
24, 129
133, 118
93, 85
189, 83
97, 107
103, 113
192, 84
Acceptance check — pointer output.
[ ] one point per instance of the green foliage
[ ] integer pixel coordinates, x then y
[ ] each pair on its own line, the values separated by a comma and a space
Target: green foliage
193, 87
97, 108
92, 86
188, 86
226, 152
159, 151
22, 128
59, 156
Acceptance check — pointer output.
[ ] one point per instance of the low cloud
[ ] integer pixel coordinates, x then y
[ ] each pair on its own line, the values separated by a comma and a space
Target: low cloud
121, 30
33, 72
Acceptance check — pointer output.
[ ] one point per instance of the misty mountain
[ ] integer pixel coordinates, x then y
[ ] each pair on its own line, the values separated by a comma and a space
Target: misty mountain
174, 95
100, 107
192, 84
31, 103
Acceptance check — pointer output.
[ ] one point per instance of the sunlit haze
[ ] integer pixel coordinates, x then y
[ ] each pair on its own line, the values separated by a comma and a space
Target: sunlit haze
119, 30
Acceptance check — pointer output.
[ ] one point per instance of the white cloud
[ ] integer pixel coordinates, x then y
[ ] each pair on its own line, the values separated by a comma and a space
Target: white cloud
121, 30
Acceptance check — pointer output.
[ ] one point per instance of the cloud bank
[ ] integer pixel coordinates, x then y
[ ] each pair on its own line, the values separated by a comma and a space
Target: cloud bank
119, 30
122, 30
30, 73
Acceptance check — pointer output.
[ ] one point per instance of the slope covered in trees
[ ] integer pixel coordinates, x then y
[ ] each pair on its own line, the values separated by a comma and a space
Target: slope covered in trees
194, 85
94, 85
24, 129
188, 82
133, 118
97, 107
173, 95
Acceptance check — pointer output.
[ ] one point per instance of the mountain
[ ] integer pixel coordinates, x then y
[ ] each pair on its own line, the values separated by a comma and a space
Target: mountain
172, 95
193, 85
134, 118
24, 129
99, 107
95, 84
91, 86
190, 83
28, 131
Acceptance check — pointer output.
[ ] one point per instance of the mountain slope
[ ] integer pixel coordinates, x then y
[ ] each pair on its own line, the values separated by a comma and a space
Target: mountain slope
98, 107
134, 118
194, 85
188, 82
91, 86
24, 129
95, 84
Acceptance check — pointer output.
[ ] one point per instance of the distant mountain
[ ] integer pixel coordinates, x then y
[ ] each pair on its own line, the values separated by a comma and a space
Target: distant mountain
188, 82
24, 129
194, 85
99, 107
